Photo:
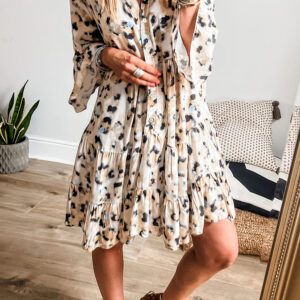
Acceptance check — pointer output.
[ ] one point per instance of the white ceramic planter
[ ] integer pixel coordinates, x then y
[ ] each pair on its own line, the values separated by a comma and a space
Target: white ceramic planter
15, 157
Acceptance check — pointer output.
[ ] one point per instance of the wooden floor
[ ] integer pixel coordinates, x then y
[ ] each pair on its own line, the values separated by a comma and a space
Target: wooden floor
41, 258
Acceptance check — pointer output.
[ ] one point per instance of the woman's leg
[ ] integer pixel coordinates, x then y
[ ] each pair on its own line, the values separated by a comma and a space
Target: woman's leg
212, 251
108, 267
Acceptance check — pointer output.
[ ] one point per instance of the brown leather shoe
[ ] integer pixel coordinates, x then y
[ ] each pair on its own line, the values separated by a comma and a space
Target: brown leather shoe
152, 296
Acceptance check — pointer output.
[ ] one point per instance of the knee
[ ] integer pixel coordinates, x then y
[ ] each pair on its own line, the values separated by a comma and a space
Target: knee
228, 255
219, 256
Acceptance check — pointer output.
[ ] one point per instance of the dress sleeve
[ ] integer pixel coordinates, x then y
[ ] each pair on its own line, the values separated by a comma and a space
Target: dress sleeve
198, 66
87, 45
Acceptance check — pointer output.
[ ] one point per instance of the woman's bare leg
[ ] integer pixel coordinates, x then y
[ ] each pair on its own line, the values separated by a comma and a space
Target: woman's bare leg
212, 251
108, 267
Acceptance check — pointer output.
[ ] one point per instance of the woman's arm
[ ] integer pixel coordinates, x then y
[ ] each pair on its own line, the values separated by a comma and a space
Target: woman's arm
187, 20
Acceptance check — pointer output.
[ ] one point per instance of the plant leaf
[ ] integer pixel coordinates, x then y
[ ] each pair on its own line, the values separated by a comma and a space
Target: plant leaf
2, 140
20, 114
10, 133
26, 121
18, 104
2, 120
3, 133
17, 139
11, 104
5, 137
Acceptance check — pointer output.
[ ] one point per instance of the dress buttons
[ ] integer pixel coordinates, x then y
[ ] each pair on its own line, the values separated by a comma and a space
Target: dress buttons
151, 120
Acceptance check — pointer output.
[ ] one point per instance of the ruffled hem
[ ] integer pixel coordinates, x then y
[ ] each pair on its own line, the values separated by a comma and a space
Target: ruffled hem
106, 223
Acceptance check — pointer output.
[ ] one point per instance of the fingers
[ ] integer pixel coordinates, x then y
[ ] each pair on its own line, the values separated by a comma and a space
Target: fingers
131, 62
146, 76
138, 62
128, 77
126, 63
146, 67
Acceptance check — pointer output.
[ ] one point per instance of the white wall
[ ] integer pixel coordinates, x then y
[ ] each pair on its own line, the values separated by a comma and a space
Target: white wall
256, 57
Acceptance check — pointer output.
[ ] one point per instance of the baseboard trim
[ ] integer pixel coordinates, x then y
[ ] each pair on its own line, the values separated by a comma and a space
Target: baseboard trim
52, 149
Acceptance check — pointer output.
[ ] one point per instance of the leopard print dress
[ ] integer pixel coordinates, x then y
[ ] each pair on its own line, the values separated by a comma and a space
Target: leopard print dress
149, 161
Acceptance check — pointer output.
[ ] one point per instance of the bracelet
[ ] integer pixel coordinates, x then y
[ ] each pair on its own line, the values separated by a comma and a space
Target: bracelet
99, 63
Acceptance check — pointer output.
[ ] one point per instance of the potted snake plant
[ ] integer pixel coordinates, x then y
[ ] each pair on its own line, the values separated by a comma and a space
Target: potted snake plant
14, 144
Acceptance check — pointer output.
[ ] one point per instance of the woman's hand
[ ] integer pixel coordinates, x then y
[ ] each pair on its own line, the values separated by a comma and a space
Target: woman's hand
124, 64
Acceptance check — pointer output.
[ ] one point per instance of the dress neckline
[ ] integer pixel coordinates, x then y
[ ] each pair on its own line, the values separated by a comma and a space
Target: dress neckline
138, 3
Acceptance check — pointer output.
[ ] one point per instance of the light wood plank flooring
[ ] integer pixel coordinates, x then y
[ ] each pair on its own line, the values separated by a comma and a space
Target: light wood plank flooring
41, 258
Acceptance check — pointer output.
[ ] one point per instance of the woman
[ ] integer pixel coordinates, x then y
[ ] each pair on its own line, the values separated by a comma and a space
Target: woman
149, 161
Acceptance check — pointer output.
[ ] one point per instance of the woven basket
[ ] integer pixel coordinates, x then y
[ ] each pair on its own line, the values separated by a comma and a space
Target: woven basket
14, 157
255, 233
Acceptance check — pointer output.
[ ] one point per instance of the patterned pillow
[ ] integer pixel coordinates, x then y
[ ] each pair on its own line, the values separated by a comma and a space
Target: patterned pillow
287, 157
289, 149
245, 131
